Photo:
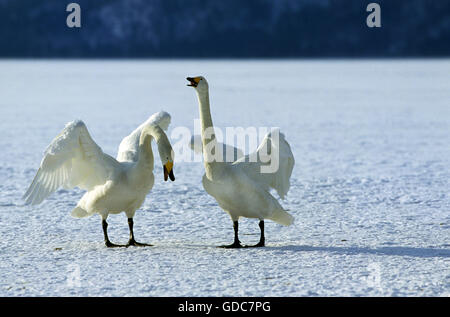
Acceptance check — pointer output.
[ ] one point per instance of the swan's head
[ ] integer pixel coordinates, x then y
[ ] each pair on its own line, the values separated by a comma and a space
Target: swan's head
199, 83
167, 157
166, 153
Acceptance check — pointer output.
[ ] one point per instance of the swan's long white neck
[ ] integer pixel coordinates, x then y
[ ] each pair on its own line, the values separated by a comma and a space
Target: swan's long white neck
205, 117
212, 168
145, 147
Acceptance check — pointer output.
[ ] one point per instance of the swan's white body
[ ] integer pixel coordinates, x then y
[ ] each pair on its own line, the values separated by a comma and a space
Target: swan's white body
73, 159
240, 188
243, 191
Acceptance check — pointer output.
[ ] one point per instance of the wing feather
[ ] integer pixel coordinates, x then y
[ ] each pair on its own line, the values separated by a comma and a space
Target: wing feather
278, 180
72, 159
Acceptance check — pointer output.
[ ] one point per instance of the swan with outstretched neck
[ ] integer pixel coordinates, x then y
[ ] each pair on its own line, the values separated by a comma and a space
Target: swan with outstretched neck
240, 188
73, 159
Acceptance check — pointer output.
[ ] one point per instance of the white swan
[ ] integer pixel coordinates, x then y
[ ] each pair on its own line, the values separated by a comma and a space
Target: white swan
240, 188
73, 159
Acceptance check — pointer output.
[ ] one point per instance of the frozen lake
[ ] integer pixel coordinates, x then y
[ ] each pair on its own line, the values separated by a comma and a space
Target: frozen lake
369, 191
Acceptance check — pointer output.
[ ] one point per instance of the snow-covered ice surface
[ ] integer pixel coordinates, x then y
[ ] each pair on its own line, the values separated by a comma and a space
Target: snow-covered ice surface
369, 191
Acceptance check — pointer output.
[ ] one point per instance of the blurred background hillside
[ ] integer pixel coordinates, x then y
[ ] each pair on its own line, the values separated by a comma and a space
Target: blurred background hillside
218, 28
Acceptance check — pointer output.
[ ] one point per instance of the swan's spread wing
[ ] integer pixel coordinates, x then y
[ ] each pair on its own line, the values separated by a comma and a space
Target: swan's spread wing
72, 159
277, 179
128, 148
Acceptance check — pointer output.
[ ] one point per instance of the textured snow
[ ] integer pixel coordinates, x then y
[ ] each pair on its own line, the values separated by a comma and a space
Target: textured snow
369, 191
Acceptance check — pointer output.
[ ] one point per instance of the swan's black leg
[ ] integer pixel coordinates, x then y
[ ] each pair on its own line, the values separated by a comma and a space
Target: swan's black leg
262, 239
132, 241
108, 243
236, 243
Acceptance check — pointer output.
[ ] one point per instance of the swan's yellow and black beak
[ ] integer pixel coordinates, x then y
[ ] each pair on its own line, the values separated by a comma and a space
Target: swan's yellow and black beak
193, 81
168, 171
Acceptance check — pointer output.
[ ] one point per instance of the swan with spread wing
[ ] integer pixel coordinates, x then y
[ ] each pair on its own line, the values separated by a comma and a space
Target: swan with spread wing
112, 185
241, 188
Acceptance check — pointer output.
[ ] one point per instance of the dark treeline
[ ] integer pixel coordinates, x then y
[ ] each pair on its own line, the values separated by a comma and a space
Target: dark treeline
224, 28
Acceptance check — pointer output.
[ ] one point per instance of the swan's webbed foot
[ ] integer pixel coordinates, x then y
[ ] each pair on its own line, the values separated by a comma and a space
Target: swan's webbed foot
234, 245
133, 242
109, 244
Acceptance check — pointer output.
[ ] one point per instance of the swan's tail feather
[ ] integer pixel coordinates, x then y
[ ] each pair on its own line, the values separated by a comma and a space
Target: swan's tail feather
79, 212
283, 218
